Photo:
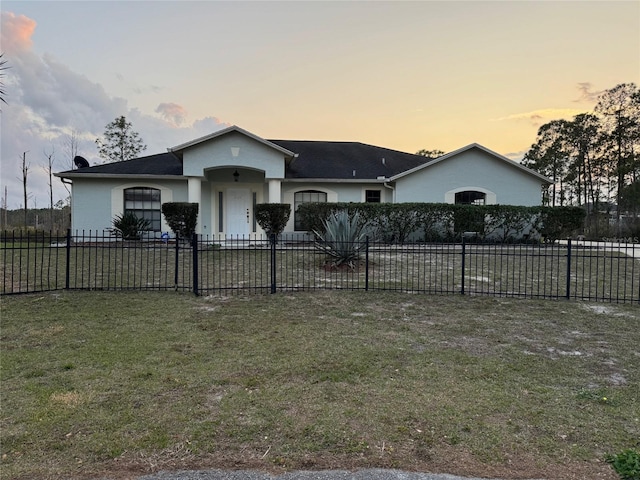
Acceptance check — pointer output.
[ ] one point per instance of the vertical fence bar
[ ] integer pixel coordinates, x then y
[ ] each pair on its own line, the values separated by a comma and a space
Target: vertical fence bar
67, 274
272, 241
194, 247
366, 264
177, 264
464, 248
568, 294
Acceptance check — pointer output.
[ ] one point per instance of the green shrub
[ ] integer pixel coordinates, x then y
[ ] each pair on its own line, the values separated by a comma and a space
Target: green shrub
343, 238
394, 223
273, 217
129, 226
182, 218
626, 464
509, 223
560, 222
402, 222
313, 215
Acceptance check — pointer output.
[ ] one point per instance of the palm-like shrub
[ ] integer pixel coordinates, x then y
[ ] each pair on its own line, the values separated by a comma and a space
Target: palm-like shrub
343, 239
129, 226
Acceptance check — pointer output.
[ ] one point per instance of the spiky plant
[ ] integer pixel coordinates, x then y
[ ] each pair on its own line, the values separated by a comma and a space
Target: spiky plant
129, 226
343, 239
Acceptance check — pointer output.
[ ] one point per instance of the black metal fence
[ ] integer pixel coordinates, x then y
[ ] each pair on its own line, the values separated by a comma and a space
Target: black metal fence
596, 271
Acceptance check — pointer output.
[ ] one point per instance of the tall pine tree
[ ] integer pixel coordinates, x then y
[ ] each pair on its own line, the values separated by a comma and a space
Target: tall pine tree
120, 142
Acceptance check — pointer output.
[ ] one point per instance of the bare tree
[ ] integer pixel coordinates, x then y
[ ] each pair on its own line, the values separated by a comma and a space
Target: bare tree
70, 144
5, 208
25, 174
48, 168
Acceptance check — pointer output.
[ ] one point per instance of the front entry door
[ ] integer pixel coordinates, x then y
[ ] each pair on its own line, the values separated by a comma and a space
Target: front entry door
238, 212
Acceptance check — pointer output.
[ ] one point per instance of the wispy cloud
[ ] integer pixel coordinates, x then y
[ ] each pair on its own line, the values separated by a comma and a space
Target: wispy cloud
537, 117
516, 156
587, 94
135, 88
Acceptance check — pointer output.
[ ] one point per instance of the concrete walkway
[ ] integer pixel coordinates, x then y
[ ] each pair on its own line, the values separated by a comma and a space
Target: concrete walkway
630, 249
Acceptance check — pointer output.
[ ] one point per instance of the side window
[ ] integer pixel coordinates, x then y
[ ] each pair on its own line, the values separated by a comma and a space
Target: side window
471, 197
145, 203
305, 196
372, 196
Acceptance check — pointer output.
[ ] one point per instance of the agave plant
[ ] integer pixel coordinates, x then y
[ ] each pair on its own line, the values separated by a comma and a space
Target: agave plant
343, 239
129, 226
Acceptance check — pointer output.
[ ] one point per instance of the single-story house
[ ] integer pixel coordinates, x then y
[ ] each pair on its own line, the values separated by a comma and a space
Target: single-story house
230, 171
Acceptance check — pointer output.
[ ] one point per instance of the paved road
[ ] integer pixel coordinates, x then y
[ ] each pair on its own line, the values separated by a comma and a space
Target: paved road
370, 474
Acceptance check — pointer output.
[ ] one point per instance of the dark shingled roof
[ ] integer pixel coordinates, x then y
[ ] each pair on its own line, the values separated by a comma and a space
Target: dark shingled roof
335, 160
340, 159
159, 164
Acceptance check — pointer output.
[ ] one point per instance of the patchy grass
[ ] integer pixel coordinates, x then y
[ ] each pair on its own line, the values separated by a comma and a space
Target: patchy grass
99, 384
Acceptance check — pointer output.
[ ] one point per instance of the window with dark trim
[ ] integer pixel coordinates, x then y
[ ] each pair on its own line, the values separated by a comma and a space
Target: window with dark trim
471, 197
305, 196
145, 203
372, 196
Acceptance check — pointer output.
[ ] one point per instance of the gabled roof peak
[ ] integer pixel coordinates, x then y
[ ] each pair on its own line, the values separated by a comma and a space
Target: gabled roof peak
219, 133
482, 148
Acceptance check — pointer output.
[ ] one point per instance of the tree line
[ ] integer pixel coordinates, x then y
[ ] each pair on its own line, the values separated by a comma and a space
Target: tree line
593, 160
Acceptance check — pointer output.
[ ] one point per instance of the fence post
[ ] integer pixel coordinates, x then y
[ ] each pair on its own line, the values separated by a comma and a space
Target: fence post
366, 264
68, 260
272, 242
464, 250
568, 295
194, 248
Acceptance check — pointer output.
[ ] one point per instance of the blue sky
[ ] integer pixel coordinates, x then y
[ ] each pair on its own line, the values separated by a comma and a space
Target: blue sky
403, 75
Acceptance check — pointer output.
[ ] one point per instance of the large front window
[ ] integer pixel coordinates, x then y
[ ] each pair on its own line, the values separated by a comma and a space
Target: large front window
144, 203
471, 197
305, 196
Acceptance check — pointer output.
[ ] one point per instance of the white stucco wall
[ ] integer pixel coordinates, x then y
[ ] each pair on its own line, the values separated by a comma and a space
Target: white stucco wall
218, 153
95, 202
470, 170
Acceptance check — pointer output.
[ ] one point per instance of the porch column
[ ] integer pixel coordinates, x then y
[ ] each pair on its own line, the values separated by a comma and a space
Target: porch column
195, 196
274, 191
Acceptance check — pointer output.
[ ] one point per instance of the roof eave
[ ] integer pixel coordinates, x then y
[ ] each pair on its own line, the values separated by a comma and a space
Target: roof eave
73, 175
336, 180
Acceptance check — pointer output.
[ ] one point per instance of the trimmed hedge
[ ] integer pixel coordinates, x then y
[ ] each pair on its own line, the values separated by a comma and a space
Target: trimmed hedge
402, 222
182, 218
273, 217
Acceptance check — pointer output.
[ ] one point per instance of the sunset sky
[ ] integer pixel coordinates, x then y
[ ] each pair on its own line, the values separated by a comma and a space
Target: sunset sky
402, 75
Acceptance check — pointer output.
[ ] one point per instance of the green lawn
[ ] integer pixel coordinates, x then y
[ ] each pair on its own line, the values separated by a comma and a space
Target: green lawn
116, 384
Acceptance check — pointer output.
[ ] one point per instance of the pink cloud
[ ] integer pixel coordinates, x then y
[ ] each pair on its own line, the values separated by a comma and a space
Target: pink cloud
172, 112
16, 33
